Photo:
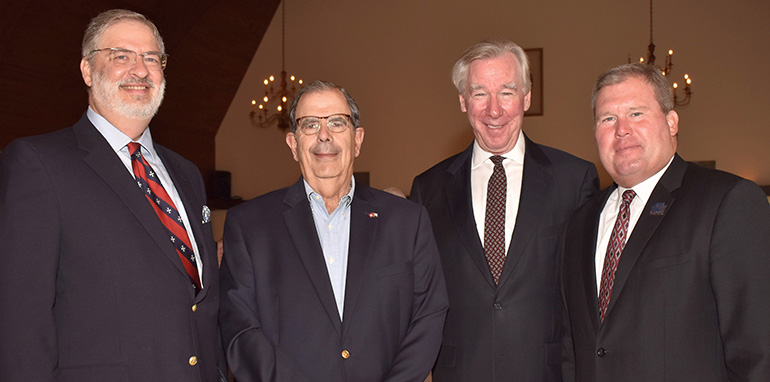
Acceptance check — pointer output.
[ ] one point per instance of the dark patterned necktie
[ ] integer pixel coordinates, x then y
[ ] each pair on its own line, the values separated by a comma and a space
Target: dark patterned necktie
164, 207
494, 219
614, 248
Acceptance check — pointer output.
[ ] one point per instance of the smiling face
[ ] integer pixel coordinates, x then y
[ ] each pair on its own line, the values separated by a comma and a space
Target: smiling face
495, 102
325, 156
635, 138
133, 92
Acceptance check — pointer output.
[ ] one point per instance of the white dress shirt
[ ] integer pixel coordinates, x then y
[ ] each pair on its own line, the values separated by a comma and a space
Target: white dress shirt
481, 171
119, 141
610, 214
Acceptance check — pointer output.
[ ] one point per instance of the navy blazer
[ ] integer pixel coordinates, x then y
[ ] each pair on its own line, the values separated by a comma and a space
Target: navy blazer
511, 331
90, 287
279, 319
691, 299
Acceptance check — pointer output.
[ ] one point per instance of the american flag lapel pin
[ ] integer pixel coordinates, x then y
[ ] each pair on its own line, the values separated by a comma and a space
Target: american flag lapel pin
373, 215
658, 209
206, 214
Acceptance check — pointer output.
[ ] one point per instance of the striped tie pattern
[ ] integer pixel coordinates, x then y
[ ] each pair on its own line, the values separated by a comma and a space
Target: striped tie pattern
164, 207
614, 248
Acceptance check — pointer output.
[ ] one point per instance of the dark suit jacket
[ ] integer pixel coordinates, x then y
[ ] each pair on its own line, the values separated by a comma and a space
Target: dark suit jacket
279, 319
512, 331
691, 300
90, 286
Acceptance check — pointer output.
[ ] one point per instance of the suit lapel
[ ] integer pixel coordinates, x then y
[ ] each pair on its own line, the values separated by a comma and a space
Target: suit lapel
184, 188
646, 226
536, 181
301, 227
458, 194
100, 157
587, 251
363, 229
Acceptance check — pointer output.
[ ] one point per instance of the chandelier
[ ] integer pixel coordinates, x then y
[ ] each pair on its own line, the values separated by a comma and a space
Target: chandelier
273, 108
666, 70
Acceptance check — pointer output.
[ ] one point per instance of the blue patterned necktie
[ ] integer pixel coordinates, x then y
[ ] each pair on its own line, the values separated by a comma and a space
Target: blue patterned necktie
164, 207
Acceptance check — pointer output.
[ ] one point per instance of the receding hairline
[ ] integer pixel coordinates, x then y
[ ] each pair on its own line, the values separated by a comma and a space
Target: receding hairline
488, 50
98, 25
123, 22
319, 91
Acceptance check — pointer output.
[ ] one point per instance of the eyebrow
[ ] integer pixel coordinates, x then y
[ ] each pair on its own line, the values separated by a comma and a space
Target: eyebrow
512, 85
602, 115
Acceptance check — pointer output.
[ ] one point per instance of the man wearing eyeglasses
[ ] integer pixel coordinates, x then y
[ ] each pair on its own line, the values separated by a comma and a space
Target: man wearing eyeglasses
102, 280
328, 279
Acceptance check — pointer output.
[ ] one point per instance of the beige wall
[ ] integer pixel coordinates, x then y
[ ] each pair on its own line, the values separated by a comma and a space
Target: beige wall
395, 58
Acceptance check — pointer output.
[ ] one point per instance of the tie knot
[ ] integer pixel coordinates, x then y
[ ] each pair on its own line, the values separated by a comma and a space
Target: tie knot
497, 160
133, 147
628, 195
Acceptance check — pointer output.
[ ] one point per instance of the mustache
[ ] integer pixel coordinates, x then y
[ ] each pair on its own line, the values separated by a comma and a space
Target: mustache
137, 81
325, 148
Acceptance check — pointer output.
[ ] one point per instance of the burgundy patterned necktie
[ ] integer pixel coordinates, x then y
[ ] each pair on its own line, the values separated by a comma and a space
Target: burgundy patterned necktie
614, 248
164, 207
494, 219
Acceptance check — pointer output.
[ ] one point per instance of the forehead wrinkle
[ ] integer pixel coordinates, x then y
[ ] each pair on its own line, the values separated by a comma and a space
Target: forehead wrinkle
118, 36
325, 116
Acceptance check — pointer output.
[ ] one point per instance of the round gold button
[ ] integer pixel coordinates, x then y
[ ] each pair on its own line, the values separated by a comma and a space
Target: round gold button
345, 354
193, 361
195, 308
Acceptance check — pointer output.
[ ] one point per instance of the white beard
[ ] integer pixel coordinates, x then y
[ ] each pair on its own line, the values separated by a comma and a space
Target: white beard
106, 93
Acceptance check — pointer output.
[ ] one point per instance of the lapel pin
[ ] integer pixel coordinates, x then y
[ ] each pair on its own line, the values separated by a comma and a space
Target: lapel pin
658, 209
206, 214
373, 215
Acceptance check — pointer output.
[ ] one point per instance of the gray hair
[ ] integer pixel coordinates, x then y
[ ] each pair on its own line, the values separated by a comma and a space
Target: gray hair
106, 19
318, 86
486, 50
648, 73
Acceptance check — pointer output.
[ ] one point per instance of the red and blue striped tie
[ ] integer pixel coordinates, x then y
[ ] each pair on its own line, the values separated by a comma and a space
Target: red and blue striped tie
164, 207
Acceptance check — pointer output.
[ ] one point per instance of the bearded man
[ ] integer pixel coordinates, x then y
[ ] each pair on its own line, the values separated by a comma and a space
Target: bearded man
103, 280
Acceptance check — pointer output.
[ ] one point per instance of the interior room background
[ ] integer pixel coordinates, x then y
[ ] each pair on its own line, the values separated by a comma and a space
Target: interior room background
395, 58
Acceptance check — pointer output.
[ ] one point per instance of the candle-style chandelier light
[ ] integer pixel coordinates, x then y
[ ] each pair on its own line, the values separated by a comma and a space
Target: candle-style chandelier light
273, 107
666, 70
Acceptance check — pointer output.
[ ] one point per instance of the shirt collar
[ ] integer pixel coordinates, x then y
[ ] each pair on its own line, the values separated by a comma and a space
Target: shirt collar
644, 189
116, 139
516, 154
344, 202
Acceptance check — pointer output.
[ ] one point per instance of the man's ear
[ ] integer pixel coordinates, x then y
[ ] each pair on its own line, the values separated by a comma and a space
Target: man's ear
359, 139
291, 141
672, 119
85, 71
462, 103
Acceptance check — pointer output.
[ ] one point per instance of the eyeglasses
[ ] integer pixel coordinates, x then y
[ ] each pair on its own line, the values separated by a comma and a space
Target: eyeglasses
124, 58
311, 124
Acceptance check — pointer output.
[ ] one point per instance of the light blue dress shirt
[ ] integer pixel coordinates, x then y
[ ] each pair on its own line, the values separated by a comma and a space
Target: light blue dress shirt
334, 234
